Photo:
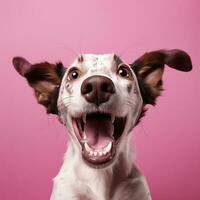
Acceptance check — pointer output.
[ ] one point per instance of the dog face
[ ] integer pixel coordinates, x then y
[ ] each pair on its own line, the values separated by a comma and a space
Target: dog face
99, 101
100, 98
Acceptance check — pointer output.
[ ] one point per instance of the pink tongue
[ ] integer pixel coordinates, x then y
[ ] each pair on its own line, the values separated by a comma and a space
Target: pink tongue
98, 132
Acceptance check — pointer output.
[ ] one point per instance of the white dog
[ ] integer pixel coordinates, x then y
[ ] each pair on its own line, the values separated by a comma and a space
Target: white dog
100, 98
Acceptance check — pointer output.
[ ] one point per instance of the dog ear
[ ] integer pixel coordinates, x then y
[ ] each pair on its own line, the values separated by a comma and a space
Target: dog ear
44, 78
149, 69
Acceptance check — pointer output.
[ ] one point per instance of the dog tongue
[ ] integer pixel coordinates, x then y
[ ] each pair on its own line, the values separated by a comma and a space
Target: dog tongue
98, 132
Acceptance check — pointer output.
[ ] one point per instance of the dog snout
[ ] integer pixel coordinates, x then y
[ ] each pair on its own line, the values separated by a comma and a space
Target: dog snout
97, 89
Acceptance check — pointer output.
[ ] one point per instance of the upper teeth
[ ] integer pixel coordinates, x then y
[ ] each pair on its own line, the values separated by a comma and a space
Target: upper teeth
84, 136
112, 118
84, 118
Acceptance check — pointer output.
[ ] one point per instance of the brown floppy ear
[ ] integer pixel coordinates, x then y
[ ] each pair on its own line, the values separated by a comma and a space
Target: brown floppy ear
149, 69
44, 78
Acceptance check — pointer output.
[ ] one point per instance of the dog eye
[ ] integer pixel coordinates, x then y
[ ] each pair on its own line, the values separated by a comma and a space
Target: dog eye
73, 74
124, 72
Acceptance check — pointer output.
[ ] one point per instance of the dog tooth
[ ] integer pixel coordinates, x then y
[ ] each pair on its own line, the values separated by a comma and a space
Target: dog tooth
104, 152
87, 148
100, 153
108, 147
91, 153
84, 118
84, 136
95, 153
112, 118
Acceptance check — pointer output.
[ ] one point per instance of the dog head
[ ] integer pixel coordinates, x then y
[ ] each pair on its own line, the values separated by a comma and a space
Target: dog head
100, 98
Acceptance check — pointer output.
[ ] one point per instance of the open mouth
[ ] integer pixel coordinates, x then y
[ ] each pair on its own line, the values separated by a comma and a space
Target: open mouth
98, 134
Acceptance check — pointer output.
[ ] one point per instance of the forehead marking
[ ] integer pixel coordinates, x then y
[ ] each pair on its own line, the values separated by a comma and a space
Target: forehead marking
80, 59
135, 90
68, 88
98, 62
94, 65
129, 88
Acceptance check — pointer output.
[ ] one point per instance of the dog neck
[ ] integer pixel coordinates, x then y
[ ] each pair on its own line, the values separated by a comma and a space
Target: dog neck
102, 179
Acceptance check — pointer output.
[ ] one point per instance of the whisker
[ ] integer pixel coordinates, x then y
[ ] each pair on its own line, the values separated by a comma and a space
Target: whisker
67, 97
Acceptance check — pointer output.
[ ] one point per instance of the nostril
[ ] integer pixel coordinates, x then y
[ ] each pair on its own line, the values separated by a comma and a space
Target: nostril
87, 88
104, 87
107, 87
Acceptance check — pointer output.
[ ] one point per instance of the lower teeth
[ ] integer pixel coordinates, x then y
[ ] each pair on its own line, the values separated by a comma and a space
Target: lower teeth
101, 152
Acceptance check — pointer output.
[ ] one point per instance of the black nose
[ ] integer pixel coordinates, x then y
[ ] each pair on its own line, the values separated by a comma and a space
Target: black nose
97, 89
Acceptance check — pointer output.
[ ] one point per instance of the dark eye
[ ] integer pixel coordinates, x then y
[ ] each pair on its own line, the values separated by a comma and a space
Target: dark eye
73, 74
124, 72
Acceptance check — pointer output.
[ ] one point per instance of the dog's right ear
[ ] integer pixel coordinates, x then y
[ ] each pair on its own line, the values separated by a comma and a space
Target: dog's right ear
45, 78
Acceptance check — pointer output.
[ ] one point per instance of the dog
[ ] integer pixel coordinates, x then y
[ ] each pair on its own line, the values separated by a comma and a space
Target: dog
100, 99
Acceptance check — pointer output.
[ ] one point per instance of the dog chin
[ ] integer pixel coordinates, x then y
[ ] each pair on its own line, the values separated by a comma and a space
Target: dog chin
98, 134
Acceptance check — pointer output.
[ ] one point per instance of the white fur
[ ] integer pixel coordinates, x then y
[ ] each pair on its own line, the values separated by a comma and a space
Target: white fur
121, 180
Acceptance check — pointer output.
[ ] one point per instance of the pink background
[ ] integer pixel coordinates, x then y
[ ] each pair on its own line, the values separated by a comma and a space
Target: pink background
167, 141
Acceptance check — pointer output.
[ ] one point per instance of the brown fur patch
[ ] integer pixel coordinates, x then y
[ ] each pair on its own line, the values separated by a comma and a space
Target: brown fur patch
45, 79
149, 70
80, 59
129, 88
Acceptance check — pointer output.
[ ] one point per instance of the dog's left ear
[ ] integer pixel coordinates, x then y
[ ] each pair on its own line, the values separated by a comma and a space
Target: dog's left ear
149, 69
45, 78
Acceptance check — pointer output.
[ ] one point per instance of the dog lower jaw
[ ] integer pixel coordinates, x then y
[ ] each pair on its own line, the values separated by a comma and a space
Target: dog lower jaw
98, 158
